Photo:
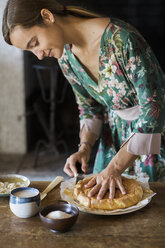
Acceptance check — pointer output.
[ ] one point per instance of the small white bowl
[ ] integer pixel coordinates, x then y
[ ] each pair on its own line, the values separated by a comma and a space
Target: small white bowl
25, 202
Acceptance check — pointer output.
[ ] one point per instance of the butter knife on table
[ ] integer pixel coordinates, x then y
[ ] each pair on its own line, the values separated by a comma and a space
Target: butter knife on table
51, 186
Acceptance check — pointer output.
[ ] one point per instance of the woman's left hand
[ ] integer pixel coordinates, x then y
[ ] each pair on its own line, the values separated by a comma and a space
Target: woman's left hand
108, 179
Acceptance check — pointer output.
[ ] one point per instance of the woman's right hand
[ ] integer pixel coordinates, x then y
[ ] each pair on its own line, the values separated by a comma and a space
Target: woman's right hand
82, 156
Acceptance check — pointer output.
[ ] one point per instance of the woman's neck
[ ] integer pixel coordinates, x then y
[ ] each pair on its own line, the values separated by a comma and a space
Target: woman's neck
81, 32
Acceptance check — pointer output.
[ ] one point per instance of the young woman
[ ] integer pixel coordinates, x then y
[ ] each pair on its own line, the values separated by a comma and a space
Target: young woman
118, 84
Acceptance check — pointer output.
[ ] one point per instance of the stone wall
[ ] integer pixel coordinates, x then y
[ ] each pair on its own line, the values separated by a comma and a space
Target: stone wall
12, 102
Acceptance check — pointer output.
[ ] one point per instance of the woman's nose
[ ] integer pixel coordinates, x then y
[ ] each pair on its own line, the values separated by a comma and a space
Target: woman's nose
39, 54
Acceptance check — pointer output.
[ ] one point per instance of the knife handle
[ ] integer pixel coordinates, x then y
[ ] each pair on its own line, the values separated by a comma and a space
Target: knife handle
78, 166
51, 186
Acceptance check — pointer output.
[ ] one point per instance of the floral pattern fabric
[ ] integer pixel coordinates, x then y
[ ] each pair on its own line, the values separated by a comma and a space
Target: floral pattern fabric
129, 75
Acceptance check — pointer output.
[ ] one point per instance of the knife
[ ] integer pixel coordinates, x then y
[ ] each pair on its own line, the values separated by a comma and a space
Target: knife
80, 173
51, 186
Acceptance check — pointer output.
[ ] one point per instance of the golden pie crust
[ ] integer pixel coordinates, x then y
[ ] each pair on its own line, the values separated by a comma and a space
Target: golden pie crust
134, 194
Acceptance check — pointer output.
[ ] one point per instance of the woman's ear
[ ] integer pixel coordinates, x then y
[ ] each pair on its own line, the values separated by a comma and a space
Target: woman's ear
47, 16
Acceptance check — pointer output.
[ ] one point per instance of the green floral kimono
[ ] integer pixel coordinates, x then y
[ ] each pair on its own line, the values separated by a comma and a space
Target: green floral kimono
129, 77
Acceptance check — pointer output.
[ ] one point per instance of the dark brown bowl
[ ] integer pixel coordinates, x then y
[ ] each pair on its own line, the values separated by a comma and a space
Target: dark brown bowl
59, 225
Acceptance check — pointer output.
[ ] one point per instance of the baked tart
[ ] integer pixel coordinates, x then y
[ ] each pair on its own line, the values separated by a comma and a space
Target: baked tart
134, 194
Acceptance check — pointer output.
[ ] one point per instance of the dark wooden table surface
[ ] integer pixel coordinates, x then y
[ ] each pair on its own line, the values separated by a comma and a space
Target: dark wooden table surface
143, 228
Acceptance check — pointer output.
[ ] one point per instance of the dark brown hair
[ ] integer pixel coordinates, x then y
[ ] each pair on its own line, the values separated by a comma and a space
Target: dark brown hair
27, 13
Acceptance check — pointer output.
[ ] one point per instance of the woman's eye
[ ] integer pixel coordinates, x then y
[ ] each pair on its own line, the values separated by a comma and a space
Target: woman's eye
36, 43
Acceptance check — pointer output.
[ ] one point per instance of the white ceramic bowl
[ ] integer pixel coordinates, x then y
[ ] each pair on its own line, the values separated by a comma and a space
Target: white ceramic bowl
25, 202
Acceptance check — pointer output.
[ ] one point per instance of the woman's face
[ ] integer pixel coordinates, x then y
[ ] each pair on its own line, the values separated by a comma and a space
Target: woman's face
43, 41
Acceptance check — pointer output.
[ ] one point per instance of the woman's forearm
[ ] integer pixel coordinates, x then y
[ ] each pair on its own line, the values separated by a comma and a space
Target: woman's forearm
123, 159
87, 139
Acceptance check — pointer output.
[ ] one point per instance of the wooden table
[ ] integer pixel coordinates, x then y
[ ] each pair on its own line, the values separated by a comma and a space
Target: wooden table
144, 228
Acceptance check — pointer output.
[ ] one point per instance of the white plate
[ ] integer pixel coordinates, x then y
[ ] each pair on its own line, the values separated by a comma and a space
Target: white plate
140, 205
12, 178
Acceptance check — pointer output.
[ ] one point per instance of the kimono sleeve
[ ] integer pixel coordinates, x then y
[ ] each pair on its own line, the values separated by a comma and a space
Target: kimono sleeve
148, 82
90, 111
